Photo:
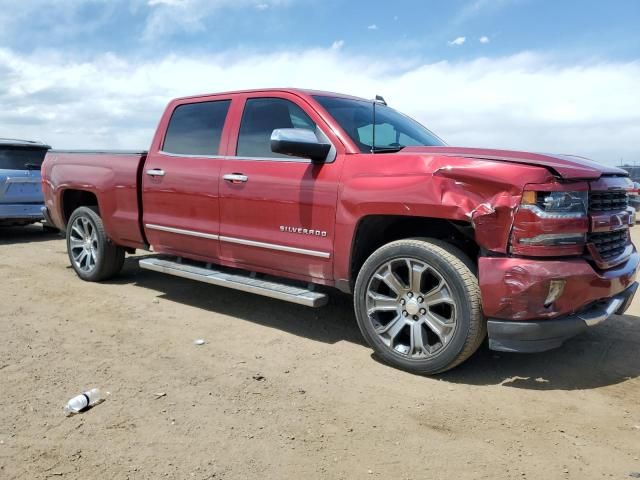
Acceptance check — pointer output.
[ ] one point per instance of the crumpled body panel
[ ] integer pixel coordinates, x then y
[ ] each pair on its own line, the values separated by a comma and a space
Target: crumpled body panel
516, 288
481, 192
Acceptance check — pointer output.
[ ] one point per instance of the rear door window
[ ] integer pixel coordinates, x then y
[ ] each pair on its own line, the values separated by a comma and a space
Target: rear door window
196, 128
260, 118
16, 158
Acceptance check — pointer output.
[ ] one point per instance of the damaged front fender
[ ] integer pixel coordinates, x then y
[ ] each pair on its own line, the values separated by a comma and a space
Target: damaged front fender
481, 193
487, 197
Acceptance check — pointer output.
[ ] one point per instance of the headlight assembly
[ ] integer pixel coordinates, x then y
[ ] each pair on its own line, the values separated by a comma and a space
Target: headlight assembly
556, 204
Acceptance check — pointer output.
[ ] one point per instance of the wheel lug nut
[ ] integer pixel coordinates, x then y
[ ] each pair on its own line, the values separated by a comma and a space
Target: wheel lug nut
422, 311
420, 299
403, 301
410, 294
405, 313
415, 317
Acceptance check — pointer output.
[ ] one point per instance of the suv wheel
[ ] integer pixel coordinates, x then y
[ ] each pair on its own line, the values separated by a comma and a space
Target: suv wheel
417, 304
93, 256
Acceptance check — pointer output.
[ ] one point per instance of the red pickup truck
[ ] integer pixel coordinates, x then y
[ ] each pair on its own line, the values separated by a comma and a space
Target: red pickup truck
276, 191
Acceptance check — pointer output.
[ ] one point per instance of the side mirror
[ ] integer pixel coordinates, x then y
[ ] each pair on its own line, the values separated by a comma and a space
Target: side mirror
299, 142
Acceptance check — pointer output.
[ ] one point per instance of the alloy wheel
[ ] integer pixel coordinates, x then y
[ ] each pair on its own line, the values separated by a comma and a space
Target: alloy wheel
411, 308
83, 244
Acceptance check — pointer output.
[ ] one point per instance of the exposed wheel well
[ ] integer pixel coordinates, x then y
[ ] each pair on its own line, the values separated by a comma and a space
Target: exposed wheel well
374, 231
72, 199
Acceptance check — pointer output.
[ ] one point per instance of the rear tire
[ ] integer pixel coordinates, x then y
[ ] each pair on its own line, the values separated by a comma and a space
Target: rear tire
417, 303
92, 254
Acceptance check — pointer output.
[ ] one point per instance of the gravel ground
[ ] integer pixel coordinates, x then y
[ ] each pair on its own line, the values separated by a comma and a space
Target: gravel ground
282, 391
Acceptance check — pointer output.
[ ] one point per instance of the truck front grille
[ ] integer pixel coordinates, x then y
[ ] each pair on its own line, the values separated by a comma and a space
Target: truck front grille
611, 200
610, 244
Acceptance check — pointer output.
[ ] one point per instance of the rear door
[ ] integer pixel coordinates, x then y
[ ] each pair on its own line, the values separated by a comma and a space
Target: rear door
181, 213
277, 212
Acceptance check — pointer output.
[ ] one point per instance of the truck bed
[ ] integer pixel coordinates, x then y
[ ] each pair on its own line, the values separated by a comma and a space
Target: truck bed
113, 176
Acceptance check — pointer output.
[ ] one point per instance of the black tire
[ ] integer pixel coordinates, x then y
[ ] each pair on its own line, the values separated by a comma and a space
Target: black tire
109, 258
457, 270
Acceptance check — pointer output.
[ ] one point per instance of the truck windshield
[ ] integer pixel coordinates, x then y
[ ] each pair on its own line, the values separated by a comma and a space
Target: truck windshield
393, 130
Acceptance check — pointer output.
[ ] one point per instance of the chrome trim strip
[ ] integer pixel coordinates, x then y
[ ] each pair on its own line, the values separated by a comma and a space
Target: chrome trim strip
240, 241
28, 179
234, 157
270, 159
180, 231
186, 155
594, 317
273, 246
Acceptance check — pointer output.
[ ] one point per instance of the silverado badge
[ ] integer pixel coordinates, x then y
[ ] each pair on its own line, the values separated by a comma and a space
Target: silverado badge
303, 231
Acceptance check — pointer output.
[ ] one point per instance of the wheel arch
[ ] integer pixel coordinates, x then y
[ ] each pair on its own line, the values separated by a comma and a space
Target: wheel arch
72, 198
374, 231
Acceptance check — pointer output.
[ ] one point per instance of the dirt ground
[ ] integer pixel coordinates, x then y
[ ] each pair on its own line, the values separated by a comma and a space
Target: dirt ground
282, 391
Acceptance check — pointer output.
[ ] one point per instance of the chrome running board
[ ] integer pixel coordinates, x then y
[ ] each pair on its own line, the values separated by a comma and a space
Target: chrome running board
237, 281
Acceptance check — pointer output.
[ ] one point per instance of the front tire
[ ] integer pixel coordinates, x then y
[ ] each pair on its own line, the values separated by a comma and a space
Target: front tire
417, 303
92, 254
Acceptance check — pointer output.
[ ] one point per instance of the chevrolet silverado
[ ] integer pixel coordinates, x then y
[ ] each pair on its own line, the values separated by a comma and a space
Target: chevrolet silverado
277, 191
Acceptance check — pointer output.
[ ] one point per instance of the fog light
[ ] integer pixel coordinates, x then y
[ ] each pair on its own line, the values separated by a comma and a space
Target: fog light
556, 287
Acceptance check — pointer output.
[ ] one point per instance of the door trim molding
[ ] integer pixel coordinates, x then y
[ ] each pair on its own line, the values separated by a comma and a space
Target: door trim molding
181, 231
275, 246
240, 241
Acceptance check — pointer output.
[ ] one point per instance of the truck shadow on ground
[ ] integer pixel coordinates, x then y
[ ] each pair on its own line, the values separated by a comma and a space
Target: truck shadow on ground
330, 324
606, 355
28, 234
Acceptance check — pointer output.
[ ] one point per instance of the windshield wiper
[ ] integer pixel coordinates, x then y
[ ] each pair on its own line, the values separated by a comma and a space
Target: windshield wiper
387, 149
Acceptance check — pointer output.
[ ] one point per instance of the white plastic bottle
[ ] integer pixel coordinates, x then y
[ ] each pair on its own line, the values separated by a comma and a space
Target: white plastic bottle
82, 401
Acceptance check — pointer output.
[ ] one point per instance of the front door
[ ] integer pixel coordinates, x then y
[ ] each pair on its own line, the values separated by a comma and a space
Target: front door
277, 212
181, 212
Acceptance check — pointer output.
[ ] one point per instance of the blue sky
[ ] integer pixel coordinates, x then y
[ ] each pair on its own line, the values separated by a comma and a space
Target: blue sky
422, 29
536, 75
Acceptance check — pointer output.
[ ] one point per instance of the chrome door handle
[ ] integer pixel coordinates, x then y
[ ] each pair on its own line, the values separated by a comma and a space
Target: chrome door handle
155, 172
235, 178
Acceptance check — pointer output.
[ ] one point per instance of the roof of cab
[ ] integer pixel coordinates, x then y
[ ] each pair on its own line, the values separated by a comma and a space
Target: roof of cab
14, 142
295, 91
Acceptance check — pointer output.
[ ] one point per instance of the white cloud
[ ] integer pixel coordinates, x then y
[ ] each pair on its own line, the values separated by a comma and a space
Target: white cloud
525, 101
458, 41
337, 45
262, 6
484, 39
373, 26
